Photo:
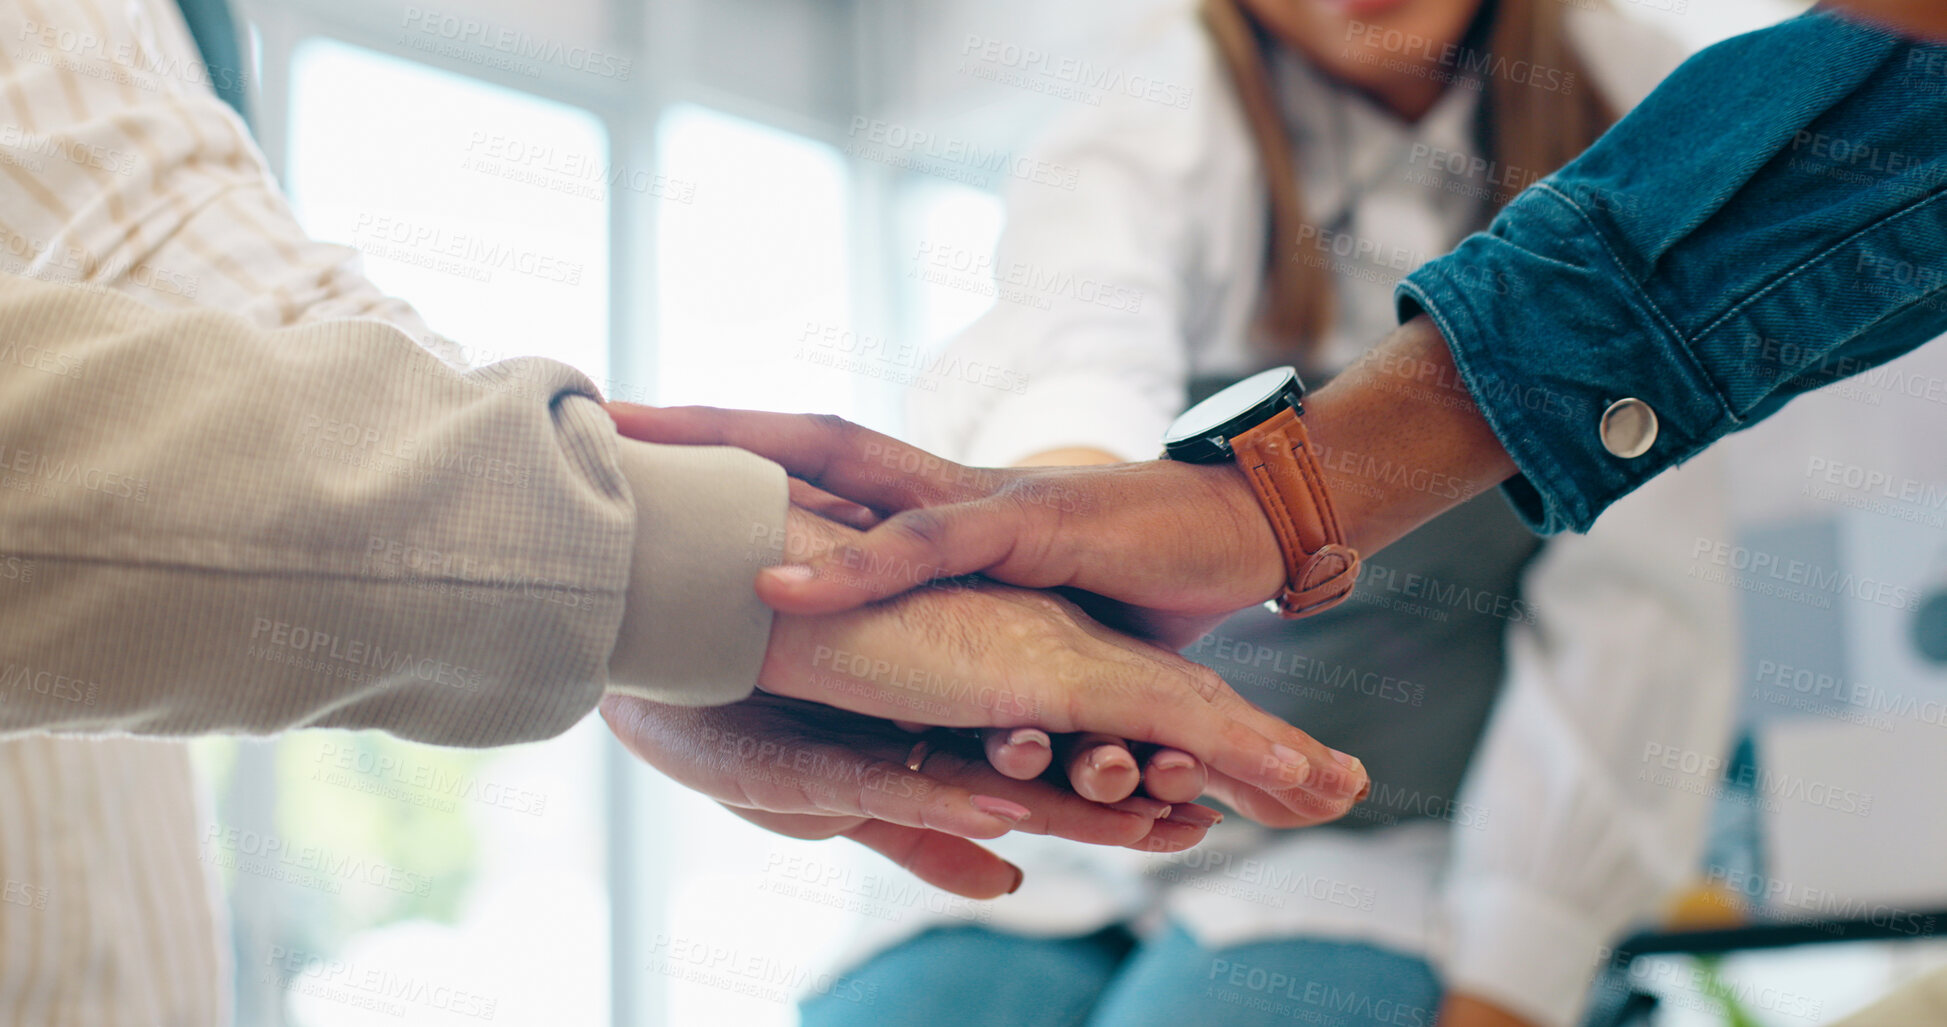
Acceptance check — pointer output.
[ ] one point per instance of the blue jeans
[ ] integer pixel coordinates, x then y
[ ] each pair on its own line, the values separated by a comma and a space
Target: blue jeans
974, 977
1771, 219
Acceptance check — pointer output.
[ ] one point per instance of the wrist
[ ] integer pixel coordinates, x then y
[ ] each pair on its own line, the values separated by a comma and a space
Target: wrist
1260, 577
1400, 440
806, 537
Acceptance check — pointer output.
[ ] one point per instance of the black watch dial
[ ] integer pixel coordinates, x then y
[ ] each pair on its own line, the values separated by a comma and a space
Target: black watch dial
1202, 434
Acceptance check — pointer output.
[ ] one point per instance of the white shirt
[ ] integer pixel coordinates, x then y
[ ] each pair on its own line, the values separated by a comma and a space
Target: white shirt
1560, 844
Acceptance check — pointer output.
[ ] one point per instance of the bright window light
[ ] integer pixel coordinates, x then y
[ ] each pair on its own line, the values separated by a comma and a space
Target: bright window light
753, 274
956, 219
485, 207
473, 883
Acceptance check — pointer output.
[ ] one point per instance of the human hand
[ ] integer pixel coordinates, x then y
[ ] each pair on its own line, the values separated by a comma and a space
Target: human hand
810, 771
1160, 549
1178, 546
983, 655
1097, 766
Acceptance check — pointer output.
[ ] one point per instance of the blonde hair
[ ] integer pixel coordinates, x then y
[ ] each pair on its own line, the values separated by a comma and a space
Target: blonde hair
1522, 126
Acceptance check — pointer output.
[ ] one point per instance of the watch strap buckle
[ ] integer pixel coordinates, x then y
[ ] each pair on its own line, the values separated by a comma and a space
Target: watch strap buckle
1320, 569
1325, 582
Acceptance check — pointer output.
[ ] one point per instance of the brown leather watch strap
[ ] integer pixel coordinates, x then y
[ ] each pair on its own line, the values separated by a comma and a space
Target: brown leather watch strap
1320, 569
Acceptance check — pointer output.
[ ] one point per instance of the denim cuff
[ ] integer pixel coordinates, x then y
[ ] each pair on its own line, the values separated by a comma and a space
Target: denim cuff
1548, 329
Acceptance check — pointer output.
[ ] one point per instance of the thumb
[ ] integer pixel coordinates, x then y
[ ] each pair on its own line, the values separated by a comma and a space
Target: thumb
899, 554
941, 860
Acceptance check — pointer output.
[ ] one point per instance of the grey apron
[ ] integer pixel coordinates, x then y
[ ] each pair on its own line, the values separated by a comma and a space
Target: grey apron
1404, 673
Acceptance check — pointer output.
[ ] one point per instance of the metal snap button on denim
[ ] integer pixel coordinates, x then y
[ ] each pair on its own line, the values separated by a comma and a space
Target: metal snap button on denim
1628, 428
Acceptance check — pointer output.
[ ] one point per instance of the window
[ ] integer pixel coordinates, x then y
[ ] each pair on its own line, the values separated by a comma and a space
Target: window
485, 207
754, 275
438, 885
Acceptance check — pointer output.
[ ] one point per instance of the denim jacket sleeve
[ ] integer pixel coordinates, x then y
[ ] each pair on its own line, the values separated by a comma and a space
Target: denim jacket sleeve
1771, 219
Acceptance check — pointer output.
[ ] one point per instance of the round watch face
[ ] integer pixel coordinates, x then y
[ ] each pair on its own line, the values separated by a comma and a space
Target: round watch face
1204, 431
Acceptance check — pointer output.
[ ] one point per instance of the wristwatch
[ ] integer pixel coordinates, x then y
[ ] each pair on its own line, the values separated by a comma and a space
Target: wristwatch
1258, 422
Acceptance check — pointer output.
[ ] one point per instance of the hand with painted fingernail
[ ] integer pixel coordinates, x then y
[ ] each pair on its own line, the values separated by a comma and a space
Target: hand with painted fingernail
983, 655
810, 771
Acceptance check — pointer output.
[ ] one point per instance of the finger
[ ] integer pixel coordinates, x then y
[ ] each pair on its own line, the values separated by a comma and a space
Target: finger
1292, 807
901, 553
1173, 775
889, 791
1193, 815
808, 826
804, 769
1100, 767
941, 860
1022, 753
1054, 811
832, 453
803, 776
832, 508
1172, 702
1184, 828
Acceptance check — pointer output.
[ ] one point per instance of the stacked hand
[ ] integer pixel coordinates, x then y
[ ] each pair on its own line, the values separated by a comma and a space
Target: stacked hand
1162, 549
864, 651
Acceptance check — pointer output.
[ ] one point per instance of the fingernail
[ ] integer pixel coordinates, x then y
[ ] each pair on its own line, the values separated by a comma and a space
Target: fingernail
1111, 757
1018, 878
1173, 760
1030, 736
1356, 769
790, 573
1196, 816
1012, 812
1294, 761
1142, 807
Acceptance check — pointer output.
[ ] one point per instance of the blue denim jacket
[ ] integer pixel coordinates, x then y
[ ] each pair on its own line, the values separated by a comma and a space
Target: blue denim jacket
1771, 219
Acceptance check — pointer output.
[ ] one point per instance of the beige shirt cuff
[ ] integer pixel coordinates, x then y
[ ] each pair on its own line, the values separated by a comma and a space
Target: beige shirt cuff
707, 519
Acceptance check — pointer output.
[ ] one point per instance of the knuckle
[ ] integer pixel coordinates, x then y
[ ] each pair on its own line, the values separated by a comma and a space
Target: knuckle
1206, 683
1047, 607
927, 529
834, 427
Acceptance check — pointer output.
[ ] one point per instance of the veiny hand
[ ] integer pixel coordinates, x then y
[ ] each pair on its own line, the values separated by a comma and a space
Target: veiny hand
1097, 766
1178, 546
810, 771
984, 655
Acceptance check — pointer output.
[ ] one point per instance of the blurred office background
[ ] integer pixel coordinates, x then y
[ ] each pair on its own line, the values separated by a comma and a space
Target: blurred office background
727, 202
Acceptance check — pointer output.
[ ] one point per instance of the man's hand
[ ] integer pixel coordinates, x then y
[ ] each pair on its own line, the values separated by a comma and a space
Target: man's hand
810, 771
1179, 546
1171, 547
984, 655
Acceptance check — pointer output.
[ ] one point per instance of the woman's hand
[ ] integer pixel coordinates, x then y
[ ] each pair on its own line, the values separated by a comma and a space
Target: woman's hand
984, 655
810, 771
